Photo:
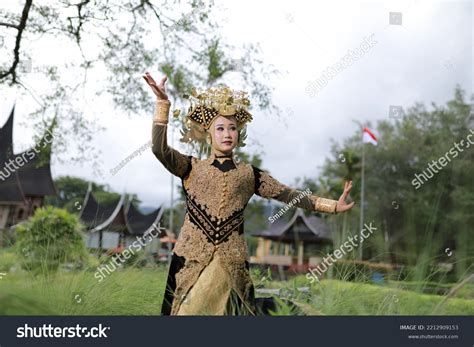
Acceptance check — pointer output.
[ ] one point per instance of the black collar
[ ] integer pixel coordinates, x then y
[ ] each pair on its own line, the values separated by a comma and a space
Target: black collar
227, 164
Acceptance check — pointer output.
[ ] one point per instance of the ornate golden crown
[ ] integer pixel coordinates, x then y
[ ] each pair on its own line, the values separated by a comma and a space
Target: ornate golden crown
223, 101
208, 104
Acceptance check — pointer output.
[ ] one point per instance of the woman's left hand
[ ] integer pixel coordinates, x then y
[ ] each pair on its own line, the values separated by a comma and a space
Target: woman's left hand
342, 206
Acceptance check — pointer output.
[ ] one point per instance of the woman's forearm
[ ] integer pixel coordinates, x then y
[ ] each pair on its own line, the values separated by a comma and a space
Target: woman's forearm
305, 200
175, 162
268, 187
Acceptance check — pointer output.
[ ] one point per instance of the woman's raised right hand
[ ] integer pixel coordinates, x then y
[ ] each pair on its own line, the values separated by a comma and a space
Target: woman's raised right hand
158, 89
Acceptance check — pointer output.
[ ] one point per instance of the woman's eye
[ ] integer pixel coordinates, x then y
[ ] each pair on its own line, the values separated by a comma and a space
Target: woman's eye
220, 129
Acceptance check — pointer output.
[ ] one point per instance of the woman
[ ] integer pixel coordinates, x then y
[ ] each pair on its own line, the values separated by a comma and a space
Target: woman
209, 271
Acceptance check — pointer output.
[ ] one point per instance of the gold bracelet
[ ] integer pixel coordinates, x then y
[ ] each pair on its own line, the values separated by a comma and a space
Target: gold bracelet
162, 110
324, 205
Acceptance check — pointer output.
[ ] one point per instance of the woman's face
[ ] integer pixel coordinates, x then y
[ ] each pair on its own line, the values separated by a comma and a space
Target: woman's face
224, 134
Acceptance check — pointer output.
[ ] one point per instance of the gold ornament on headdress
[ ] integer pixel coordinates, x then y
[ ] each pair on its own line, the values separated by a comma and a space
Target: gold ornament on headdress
208, 104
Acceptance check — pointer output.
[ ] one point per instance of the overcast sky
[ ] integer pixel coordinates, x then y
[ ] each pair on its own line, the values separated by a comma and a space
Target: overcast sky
420, 60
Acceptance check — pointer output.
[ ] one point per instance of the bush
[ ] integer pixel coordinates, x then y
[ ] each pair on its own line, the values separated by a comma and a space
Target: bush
49, 238
8, 258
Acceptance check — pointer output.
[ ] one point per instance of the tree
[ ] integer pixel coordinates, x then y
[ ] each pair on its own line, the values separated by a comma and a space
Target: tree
418, 226
72, 190
117, 41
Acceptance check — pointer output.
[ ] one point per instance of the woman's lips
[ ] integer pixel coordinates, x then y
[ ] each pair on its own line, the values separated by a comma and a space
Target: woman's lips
227, 142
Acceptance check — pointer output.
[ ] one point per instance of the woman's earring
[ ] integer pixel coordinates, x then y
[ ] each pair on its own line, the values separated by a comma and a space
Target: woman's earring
208, 139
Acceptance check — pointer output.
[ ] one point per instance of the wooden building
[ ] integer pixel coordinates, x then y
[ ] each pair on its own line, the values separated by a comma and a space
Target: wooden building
25, 178
296, 244
118, 224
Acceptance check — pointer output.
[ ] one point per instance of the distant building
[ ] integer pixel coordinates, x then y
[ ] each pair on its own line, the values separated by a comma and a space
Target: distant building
113, 227
295, 244
24, 179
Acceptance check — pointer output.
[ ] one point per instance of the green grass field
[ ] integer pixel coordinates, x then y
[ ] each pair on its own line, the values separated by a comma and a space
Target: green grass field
140, 291
125, 292
333, 297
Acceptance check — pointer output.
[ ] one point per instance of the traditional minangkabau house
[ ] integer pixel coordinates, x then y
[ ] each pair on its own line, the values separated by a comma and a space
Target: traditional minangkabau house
295, 244
115, 226
25, 179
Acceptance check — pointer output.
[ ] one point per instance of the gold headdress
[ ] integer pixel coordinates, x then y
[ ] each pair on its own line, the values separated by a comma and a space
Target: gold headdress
208, 104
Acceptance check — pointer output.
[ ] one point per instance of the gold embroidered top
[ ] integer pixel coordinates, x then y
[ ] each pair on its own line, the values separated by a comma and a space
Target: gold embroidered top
217, 190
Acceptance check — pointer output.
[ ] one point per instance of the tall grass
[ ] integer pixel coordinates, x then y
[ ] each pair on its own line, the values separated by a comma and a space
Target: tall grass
139, 291
336, 297
127, 291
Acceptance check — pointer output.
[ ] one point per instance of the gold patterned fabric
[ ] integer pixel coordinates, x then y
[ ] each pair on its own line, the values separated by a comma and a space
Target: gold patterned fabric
216, 283
323, 205
211, 242
161, 111
270, 188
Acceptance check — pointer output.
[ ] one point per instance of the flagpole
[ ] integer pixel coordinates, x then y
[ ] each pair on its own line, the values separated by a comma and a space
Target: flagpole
362, 186
171, 204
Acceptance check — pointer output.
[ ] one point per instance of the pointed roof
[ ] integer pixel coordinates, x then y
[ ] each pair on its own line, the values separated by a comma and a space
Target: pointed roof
32, 178
97, 216
120, 216
35, 180
6, 138
138, 223
10, 188
308, 229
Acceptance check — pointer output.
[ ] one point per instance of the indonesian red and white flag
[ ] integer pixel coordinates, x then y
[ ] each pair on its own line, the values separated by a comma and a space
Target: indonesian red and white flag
369, 137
